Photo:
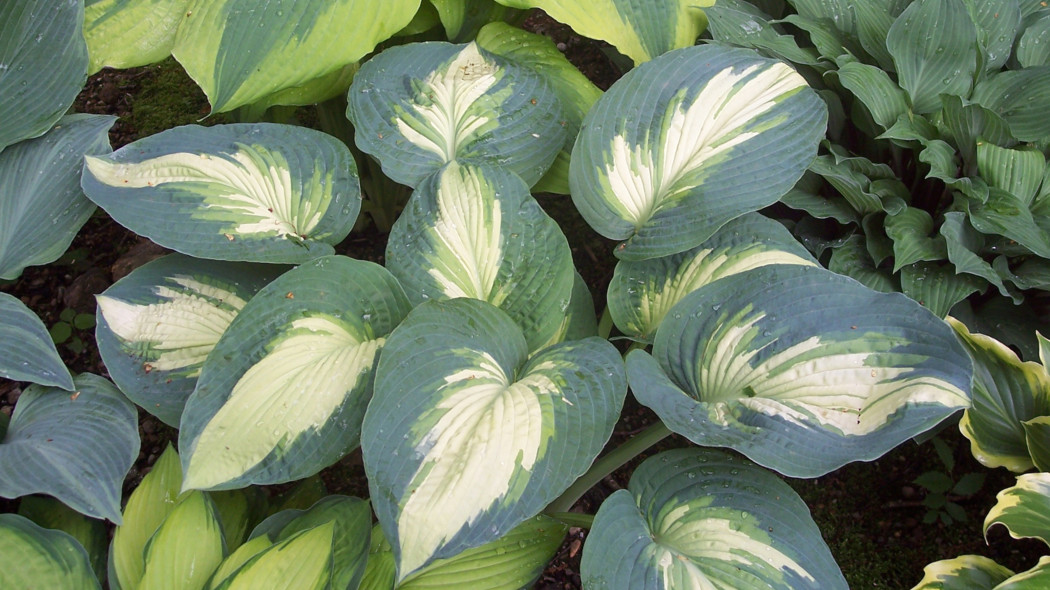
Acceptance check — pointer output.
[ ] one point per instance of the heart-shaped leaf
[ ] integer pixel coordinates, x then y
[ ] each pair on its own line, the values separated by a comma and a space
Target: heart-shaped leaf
26, 350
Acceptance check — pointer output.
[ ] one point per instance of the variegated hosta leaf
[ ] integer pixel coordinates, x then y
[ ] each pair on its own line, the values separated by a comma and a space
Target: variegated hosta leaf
702, 518
27, 352
41, 204
417, 107
642, 292
1024, 509
187, 546
966, 572
282, 394
579, 320
156, 326
1006, 392
240, 51
639, 30
43, 65
800, 369
76, 447
257, 192
466, 437
129, 33
472, 231
91, 533
1037, 435
664, 165
576, 93
302, 561
36, 557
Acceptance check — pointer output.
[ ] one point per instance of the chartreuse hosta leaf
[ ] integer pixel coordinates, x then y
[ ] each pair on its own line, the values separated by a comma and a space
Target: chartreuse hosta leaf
303, 560
417, 107
186, 548
91, 533
257, 192
282, 394
129, 33
39, 36
472, 231
27, 352
1006, 393
76, 447
41, 204
156, 326
467, 437
639, 30
800, 369
967, 572
240, 51
703, 518
642, 292
656, 163
36, 557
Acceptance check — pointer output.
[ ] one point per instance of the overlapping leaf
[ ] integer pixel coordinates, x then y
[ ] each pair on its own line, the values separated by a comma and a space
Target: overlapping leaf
26, 350
466, 437
1024, 508
255, 192
1021, 98
129, 33
302, 561
800, 369
282, 394
187, 546
655, 162
36, 557
90, 533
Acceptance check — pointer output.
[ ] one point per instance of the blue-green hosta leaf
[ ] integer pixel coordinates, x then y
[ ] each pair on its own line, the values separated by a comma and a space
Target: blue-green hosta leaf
417, 107
1006, 392
302, 561
41, 204
466, 437
476, 232
702, 518
77, 448
240, 51
1037, 434
575, 92
1021, 97
49, 513
731, 124
186, 548
257, 192
800, 369
966, 572
580, 320
738, 23
933, 44
38, 36
36, 557
1024, 508
937, 287
639, 30
998, 22
282, 394
1033, 48
642, 292
27, 352
156, 326
129, 33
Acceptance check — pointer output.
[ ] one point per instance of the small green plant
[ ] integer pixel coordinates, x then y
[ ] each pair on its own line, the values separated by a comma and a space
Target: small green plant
944, 487
67, 330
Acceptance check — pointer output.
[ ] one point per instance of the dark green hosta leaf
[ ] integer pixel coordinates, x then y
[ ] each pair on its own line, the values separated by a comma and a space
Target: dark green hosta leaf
872, 86
702, 518
454, 102
240, 51
43, 65
1021, 98
26, 350
933, 44
855, 179
257, 192
913, 239
971, 125
1037, 435
851, 258
90, 533
1018, 171
642, 292
282, 394
77, 448
829, 42
1033, 48
36, 557
1024, 509
967, 572
187, 546
129, 33
963, 243
466, 436
738, 23
658, 177
937, 286
156, 326
800, 369
874, 20
41, 204
998, 22
1005, 214
1006, 393
476, 232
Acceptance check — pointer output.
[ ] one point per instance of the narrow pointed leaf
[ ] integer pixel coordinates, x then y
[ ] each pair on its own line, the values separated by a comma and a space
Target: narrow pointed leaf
36, 557
257, 192
466, 437
186, 548
1024, 508
39, 36
282, 394
130, 33
41, 204
301, 562
702, 518
27, 352
77, 448
477, 232
156, 326
417, 107
967, 572
239, 51
800, 369
732, 123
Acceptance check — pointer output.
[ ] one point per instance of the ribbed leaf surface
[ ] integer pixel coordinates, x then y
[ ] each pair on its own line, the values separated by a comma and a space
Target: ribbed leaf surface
26, 350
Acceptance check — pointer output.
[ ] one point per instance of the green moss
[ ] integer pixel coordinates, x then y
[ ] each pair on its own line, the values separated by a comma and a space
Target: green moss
168, 97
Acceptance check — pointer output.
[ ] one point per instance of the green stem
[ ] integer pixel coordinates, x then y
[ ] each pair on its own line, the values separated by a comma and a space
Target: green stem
605, 324
607, 464
578, 519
